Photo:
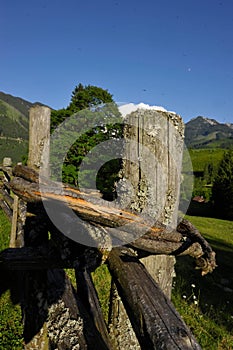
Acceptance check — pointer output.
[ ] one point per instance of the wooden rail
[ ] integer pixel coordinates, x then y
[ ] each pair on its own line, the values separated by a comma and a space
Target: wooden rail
6, 199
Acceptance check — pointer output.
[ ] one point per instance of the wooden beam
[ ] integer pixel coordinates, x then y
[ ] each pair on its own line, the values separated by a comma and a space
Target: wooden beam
14, 222
154, 318
155, 239
88, 295
30, 258
69, 324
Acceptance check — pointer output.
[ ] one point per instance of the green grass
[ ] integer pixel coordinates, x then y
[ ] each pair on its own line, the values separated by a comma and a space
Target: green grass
5, 228
13, 149
205, 303
211, 320
201, 157
102, 281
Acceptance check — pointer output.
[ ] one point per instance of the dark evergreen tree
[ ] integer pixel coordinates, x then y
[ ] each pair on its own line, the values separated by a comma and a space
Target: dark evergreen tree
223, 187
88, 96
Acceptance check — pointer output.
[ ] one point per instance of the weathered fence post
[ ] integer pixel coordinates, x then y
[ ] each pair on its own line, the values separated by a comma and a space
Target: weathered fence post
54, 316
161, 134
39, 129
35, 293
153, 153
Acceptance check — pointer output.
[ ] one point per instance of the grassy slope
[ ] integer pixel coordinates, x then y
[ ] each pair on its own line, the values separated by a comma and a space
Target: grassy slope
13, 122
211, 319
201, 157
13, 149
205, 303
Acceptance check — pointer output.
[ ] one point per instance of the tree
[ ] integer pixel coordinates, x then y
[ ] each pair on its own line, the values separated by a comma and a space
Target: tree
88, 96
223, 187
89, 99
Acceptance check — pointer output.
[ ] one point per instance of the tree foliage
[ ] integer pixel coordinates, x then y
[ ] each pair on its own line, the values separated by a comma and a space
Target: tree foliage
223, 187
88, 96
88, 102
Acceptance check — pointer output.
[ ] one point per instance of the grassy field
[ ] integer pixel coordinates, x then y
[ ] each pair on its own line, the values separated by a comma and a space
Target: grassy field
201, 157
13, 149
205, 303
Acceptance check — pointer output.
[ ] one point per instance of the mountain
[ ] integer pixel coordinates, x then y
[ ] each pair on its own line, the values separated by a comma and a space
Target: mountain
203, 132
14, 125
14, 116
200, 132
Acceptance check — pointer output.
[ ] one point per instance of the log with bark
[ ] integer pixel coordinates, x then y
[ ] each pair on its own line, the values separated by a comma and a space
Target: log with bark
140, 234
154, 318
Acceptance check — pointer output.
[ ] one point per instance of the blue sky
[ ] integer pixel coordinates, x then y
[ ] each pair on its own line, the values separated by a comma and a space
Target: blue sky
172, 53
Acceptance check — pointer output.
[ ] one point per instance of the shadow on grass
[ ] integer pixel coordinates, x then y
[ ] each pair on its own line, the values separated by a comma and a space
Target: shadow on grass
201, 209
214, 291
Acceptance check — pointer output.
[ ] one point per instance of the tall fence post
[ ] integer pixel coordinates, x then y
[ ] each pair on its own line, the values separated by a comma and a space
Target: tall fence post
152, 165
156, 176
39, 136
35, 283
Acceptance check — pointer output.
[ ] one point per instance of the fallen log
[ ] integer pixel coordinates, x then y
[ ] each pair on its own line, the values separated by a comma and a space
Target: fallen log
154, 318
123, 226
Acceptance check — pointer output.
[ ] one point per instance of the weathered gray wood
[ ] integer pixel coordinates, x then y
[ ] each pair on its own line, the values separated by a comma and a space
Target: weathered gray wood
161, 268
152, 166
21, 219
7, 162
154, 318
65, 323
6, 201
156, 142
35, 284
14, 222
39, 136
122, 337
69, 324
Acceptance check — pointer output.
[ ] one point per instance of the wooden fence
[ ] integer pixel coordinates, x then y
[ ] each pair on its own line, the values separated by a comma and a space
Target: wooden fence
58, 315
6, 202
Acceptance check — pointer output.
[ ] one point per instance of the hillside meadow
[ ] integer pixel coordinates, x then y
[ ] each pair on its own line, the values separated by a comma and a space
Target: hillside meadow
200, 157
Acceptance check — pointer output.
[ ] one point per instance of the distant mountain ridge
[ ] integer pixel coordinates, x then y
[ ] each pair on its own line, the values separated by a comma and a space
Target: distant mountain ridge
14, 126
14, 116
202, 132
